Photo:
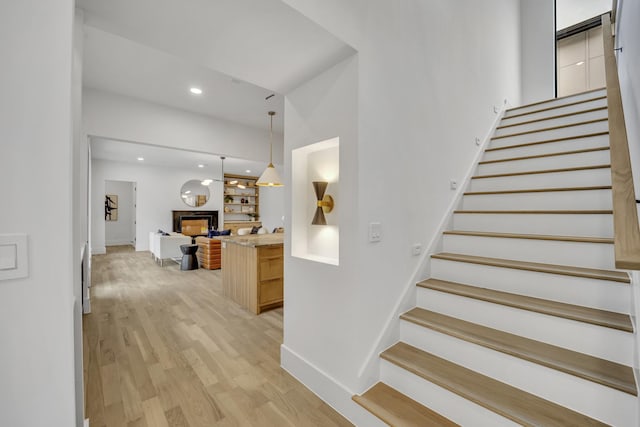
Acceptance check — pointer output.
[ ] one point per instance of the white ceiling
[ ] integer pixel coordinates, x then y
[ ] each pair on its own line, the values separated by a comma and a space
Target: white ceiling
128, 152
116, 64
264, 42
237, 51
571, 12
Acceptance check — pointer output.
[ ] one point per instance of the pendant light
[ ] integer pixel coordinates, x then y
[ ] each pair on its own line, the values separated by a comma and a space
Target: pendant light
270, 176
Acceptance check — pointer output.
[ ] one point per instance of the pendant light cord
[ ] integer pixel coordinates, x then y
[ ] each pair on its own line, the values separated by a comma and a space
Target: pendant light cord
271, 113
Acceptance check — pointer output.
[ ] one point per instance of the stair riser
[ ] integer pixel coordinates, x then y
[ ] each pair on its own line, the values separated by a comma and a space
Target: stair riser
565, 132
555, 112
570, 200
550, 147
550, 122
591, 158
601, 294
579, 178
588, 255
598, 341
555, 224
448, 404
595, 400
557, 102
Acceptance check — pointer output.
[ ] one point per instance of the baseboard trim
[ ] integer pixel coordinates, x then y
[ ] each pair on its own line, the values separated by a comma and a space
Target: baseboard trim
120, 243
327, 388
100, 250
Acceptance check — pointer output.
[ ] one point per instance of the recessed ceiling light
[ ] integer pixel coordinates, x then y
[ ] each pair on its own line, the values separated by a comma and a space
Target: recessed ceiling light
200, 166
248, 171
196, 91
580, 63
141, 159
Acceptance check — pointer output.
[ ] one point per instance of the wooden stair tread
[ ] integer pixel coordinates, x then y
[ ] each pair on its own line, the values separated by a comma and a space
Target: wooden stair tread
608, 319
508, 401
565, 270
559, 116
598, 98
601, 371
538, 212
538, 190
538, 156
396, 409
542, 171
578, 239
587, 122
555, 99
547, 141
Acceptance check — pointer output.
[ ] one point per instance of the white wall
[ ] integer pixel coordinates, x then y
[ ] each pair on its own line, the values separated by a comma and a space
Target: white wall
628, 34
428, 77
272, 208
37, 313
538, 40
122, 231
320, 298
80, 210
119, 117
571, 12
157, 194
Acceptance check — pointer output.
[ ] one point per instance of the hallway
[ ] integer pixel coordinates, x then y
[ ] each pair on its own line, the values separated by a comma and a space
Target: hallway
163, 347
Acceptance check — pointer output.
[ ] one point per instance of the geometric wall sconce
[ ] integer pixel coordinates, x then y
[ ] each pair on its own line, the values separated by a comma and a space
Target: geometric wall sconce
324, 203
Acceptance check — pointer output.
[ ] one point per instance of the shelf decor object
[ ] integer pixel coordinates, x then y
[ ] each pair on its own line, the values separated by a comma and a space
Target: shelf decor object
324, 203
270, 177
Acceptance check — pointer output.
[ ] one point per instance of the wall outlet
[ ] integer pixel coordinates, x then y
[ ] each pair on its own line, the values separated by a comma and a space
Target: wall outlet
375, 232
453, 184
416, 249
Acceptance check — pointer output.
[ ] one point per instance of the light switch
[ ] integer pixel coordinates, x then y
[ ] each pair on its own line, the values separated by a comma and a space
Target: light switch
375, 232
14, 263
8, 257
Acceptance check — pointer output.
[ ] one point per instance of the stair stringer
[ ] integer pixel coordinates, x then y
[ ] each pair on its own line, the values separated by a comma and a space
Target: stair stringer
368, 373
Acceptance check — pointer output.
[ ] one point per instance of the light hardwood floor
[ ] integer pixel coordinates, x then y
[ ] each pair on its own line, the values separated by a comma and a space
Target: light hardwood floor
163, 347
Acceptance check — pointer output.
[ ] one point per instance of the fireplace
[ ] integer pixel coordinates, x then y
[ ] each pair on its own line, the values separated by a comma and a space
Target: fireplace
194, 223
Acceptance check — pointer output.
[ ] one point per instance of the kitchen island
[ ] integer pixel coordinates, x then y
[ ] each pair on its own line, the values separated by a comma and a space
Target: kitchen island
253, 270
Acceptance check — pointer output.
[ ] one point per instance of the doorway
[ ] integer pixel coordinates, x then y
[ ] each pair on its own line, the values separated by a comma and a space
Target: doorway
120, 213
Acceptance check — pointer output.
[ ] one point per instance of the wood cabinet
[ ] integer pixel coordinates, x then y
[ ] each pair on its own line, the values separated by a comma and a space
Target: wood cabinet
253, 271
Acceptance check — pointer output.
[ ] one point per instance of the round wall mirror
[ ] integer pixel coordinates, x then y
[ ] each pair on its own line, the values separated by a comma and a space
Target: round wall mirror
194, 193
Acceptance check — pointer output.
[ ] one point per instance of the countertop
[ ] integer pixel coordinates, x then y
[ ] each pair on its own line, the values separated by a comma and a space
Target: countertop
255, 240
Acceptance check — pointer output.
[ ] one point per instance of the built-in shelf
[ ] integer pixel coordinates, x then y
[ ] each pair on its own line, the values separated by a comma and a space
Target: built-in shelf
234, 209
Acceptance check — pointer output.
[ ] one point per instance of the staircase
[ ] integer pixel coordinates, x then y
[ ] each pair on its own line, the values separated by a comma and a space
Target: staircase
525, 320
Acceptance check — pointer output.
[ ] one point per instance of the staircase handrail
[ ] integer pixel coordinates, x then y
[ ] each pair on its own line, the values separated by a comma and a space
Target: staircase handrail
625, 214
